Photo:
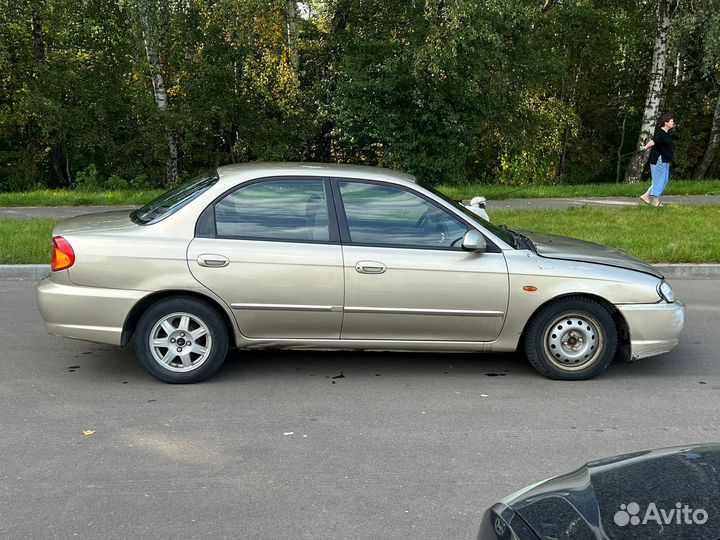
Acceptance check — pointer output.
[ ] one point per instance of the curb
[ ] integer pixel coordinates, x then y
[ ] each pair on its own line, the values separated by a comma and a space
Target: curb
671, 271
24, 271
679, 271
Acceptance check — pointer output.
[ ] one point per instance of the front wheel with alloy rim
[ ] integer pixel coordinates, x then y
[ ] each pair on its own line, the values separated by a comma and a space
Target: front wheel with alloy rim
181, 340
571, 339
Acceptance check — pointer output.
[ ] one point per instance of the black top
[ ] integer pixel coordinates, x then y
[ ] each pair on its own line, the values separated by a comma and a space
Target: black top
663, 146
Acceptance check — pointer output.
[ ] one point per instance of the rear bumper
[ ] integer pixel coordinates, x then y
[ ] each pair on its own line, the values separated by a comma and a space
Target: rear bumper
88, 313
654, 328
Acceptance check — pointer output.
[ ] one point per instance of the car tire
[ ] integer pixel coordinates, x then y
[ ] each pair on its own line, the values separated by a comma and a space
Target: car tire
181, 340
571, 338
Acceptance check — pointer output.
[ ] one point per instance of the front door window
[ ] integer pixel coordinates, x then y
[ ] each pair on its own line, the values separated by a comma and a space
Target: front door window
389, 216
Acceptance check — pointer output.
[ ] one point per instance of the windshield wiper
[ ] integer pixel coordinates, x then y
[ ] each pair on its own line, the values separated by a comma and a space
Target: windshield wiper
520, 241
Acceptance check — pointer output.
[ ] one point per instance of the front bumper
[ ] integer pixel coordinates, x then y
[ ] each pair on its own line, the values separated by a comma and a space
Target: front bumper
654, 328
88, 313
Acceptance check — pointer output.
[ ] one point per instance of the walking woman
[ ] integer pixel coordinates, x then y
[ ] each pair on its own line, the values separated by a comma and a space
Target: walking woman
661, 156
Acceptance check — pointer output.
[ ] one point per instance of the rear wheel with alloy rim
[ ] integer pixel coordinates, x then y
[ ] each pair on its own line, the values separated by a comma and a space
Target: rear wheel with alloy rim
572, 338
181, 340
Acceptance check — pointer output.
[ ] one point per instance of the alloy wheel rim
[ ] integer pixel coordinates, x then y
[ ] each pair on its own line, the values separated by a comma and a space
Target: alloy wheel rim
180, 342
573, 341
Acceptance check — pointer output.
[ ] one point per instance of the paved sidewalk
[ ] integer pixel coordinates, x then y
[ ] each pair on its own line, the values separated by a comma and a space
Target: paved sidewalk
55, 212
64, 212
601, 202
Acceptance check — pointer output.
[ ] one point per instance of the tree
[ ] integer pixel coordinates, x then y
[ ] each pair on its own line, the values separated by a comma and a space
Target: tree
148, 16
514, 91
710, 63
420, 88
656, 89
292, 35
712, 147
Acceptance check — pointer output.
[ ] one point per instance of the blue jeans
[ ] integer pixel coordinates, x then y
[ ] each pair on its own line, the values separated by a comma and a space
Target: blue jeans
660, 176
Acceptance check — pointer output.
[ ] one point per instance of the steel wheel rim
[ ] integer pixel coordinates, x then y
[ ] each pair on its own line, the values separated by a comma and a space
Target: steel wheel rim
573, 341
180, 342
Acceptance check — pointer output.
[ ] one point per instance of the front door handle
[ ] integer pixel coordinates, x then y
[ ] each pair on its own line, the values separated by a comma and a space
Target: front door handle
370, 267
213, 261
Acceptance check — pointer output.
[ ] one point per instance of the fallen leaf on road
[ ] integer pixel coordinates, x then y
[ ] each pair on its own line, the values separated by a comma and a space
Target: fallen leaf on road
89, 433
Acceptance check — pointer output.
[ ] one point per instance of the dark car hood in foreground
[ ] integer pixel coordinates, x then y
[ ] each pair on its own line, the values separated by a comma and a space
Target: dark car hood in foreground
561, 247
673, 493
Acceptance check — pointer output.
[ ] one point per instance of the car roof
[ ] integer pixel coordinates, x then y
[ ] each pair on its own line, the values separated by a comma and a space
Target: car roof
240, 171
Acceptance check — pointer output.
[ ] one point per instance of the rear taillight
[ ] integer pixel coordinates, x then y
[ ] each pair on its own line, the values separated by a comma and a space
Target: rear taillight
63, 254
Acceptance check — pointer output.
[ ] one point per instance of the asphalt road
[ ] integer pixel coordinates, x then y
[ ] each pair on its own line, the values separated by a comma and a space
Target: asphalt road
317, 445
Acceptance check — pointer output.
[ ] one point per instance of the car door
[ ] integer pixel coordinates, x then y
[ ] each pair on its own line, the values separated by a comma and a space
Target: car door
269, 249
406, 274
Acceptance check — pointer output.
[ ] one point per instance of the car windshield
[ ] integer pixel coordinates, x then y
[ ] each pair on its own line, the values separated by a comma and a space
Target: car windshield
170, 202
501, 232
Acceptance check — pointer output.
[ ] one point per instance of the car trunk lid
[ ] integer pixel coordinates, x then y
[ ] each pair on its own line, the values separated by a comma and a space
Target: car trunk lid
113, 221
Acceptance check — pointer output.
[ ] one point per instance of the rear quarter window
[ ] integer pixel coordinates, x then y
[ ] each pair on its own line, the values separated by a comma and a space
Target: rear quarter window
170, 202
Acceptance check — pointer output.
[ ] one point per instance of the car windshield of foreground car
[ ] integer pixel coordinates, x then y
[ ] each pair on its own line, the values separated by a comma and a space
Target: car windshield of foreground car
170, 202
509, 236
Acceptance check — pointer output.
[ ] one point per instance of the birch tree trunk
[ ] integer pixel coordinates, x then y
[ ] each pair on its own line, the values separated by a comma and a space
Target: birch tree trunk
146, 12
655, 93
563, 155
712, 172
712, 146
619, 150
292, 36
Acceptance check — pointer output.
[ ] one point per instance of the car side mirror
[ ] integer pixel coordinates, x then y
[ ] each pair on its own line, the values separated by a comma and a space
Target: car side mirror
474, 241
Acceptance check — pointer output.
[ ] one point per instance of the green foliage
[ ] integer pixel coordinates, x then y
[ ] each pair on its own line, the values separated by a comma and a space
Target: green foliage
115, 183
454, 91
74, 197
88, 179
26, 241
418, 88
141, 182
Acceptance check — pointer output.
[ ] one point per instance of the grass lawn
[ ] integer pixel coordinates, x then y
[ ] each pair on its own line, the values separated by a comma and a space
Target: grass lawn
26, 241
673, 234
67, 197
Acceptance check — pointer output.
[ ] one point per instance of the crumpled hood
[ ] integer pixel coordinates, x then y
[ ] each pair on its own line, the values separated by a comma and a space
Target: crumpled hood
562, 247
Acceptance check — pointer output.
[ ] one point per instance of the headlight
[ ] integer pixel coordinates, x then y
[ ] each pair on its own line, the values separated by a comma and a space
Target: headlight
665, 292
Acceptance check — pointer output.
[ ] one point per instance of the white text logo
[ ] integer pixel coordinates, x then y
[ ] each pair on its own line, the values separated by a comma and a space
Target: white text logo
682, 514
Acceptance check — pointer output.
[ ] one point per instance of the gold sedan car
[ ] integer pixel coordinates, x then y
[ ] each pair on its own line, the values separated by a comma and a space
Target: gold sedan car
332, 256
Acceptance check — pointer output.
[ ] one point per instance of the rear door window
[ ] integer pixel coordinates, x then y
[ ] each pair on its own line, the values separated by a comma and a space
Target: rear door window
282, 210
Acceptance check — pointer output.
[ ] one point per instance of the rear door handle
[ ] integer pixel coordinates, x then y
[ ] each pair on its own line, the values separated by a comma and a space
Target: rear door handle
370, 267
213, 261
